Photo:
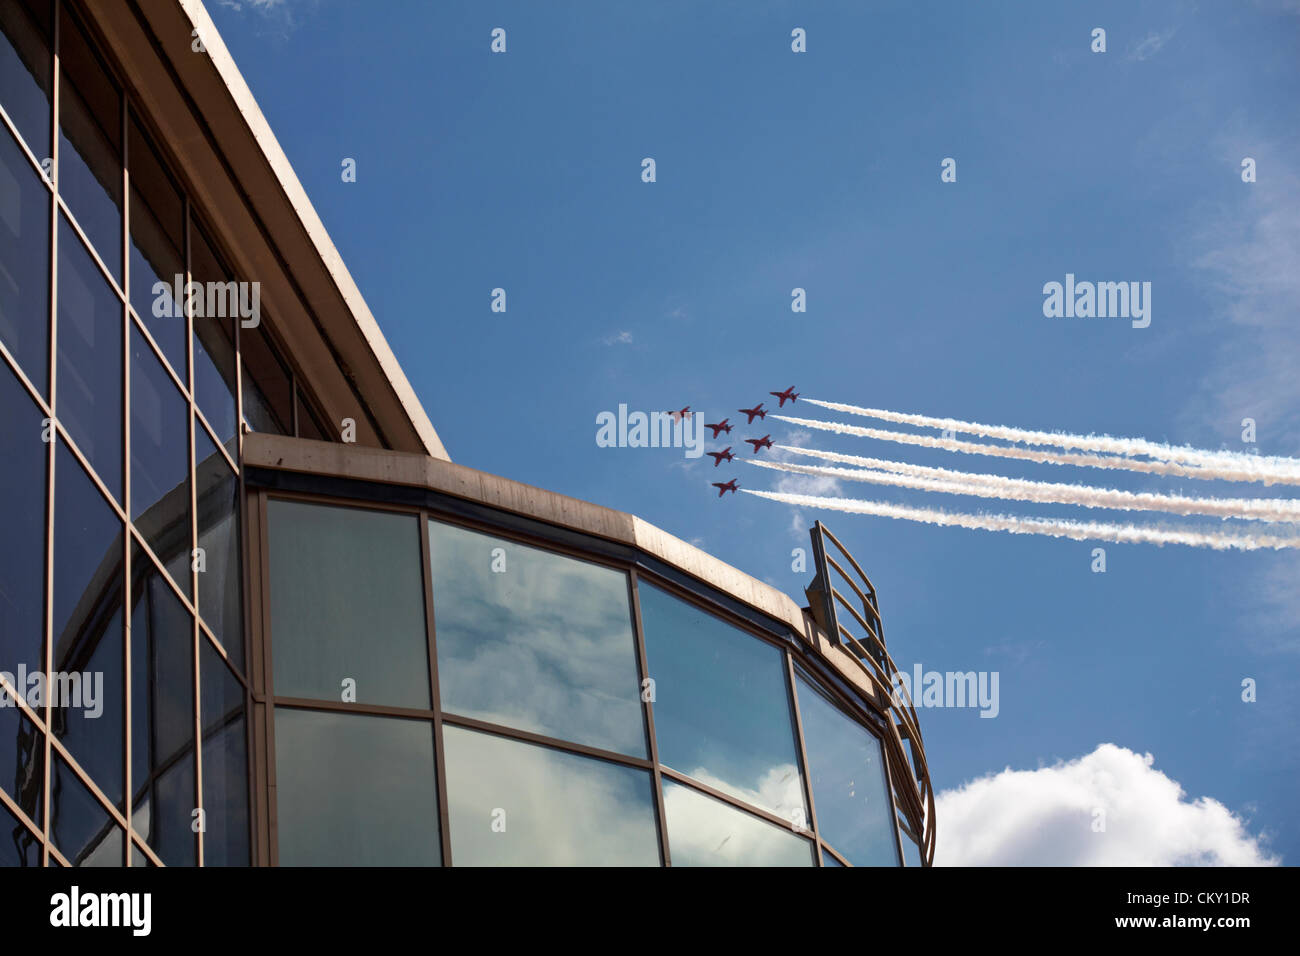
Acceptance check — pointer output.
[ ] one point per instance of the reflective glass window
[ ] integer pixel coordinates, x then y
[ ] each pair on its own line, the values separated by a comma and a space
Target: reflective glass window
160, 460
347, 605
828, 860
355, 790
18, 845
25, 70
88, 693
225, 762
309, 425
90, 143
518, 804
846, 764
162, 715
22, 559
157, 249
535, 640
24, 264
722, 710
214, 339
89, 400
268, 385
220, 582
703, 831
87, 552
80, 828
22, 759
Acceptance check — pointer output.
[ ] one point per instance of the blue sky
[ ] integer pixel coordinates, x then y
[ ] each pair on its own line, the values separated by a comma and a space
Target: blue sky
820, 170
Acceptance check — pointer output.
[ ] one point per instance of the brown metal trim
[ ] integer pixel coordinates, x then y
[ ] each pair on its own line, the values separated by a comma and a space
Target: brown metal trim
541, 740
826, 848
268, 679
435, 690
643, 668
793, 691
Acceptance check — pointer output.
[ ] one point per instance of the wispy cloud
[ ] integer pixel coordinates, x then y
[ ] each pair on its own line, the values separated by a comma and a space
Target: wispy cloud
1153, 44
617, 338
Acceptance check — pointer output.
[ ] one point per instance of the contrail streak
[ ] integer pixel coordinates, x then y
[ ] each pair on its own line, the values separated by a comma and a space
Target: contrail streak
1055, 528
1261, 465
996, 486
1239, 473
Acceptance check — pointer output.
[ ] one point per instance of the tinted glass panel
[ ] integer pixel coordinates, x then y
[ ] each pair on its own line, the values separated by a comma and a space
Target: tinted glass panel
347, 605
214, 343
845, 762
24, 264
22, 760
703, 831
25, 70
162, 715
22, 576
518, 804
268, 387
90, 144
80, 827
355, 790
220, 583
535, 640
157, 250
722, 710
89, 694
87, 552
828, 860
308, 424
90, 360
225, 764
18, 845
160, 457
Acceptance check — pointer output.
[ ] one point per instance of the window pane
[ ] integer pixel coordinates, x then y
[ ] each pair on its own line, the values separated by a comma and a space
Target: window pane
87, 552
22, 559
535, 640
22, 760
347, 604
225, 762
846, 764
162, 715
214, 344
308, 424
160, 461
722, 710
90, 144
25, 70
703, 831
90, 360
157, 250
80, 827
24, 264
221, 583
268, 387
18, 845
518, 804
355, 790
828, 860
90, 699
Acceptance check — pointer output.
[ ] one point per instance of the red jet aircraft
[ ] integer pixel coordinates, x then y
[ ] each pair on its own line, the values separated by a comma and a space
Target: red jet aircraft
722, 426
760, 443
684, 413
720, 456
757, 410
725, 486
789, 393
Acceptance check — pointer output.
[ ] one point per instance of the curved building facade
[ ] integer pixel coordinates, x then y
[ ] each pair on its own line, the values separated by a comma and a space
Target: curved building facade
253, 614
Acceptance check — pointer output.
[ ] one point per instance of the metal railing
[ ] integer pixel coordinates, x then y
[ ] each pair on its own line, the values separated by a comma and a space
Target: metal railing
865, 642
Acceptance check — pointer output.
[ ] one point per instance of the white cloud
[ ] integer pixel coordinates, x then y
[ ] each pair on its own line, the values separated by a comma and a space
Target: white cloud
1152, 45
618, 338
798, 484
1045, 817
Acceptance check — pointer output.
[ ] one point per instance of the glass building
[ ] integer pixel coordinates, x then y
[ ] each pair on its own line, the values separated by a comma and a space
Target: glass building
252, 614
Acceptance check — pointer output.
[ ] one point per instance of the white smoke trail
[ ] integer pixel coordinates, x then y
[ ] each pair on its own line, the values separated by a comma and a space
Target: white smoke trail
996, 486
1052, 527
1261, 465
1053, 458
